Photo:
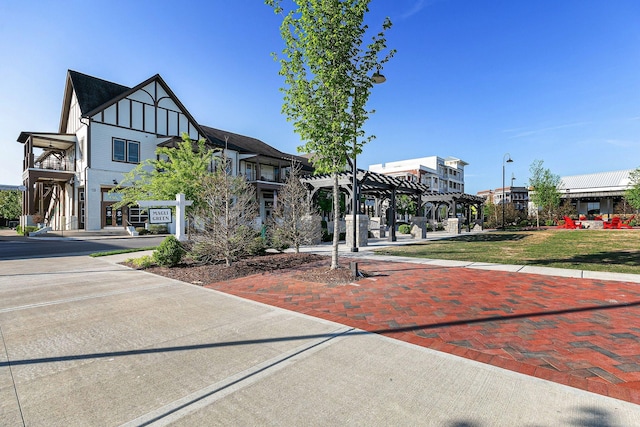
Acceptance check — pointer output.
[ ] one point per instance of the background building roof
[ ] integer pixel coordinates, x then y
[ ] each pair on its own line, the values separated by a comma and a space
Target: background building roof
616, 180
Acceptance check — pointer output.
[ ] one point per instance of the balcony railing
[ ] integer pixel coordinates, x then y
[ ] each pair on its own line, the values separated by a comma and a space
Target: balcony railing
55, 164
251, 177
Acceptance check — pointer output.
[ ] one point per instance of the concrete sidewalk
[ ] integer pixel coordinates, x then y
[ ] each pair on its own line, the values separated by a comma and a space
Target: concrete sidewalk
88, 342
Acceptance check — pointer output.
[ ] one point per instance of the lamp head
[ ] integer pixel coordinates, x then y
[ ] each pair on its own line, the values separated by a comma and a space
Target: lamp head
378, 78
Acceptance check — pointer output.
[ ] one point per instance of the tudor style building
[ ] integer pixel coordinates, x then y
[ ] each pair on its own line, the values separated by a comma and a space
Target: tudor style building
105, 130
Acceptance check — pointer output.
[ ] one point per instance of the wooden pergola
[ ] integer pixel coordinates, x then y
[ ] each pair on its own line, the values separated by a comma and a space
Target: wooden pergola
452, 201
383, 187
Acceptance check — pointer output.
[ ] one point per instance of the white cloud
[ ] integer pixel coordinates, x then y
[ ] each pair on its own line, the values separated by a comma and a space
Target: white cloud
622, 143
417, 7
521, 133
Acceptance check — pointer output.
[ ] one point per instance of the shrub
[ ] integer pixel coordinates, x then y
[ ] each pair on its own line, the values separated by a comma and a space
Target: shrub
404, 229
142, 231
329, 237
158, 229
142, 262
257, 246
169, 253
429, 227
326, 237
26, 230
549, 223
277, 243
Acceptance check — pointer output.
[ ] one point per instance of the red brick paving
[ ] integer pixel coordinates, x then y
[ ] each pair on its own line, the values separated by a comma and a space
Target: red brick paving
578, 332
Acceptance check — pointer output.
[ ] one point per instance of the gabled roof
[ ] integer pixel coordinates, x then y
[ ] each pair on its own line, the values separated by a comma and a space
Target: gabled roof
248, 145
92, 92
243, 144
96, 94
602, 180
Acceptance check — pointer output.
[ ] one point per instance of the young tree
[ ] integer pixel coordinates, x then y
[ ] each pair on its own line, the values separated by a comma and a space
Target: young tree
10, 204
632, 194
225, 216
176, 170
327, 74
566, 208
490, 211
295, 221
405, 205
544, 187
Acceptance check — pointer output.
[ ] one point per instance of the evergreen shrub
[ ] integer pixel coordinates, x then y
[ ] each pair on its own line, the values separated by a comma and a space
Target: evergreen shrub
169, 253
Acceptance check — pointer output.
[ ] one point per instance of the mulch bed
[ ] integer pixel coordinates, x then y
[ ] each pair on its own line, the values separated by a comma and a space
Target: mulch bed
313, 268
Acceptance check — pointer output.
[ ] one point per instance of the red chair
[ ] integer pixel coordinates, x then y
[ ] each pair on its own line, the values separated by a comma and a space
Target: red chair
571, 224
625, 224
614, 223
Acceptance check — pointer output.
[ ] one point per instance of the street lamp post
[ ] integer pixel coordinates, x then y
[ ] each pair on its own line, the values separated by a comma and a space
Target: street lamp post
377, 78
506, 158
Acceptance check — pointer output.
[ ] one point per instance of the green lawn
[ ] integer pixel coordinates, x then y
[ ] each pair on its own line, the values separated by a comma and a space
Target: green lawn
596, 250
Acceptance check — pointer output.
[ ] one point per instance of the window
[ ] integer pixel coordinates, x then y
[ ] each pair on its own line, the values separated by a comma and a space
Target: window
133, 152
119, 150
137, 216
126, 151
250, 171
593, 208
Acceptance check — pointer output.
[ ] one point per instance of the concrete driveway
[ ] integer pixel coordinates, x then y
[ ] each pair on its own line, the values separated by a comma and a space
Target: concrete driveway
87, 342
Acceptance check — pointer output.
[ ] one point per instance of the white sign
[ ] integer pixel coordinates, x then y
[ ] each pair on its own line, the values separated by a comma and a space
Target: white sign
181, 203
159, 216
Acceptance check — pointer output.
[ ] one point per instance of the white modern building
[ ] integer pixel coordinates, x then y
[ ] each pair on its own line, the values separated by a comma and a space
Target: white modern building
442, 175
105, 130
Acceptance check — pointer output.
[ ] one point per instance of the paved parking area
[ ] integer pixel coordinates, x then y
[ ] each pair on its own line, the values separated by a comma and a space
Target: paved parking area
580, 332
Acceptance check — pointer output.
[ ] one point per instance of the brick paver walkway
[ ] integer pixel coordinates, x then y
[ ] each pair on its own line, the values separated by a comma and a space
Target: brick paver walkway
579, 332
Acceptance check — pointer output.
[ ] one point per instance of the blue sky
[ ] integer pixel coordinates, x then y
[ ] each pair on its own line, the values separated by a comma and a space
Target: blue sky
556, 80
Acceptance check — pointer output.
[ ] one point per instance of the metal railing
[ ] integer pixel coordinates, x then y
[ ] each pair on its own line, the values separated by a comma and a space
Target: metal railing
55, 164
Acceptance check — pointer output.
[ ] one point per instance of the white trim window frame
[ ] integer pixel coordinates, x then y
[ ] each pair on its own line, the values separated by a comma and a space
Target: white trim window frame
125, 151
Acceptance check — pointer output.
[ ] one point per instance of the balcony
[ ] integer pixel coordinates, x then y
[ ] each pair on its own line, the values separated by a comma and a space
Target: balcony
251, 177
49, 168
55, 164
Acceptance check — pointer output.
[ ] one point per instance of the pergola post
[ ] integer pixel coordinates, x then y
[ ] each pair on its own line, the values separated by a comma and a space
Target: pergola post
392, 217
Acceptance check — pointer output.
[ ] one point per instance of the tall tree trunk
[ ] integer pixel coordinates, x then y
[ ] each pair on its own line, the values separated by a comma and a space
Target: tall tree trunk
336, 218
